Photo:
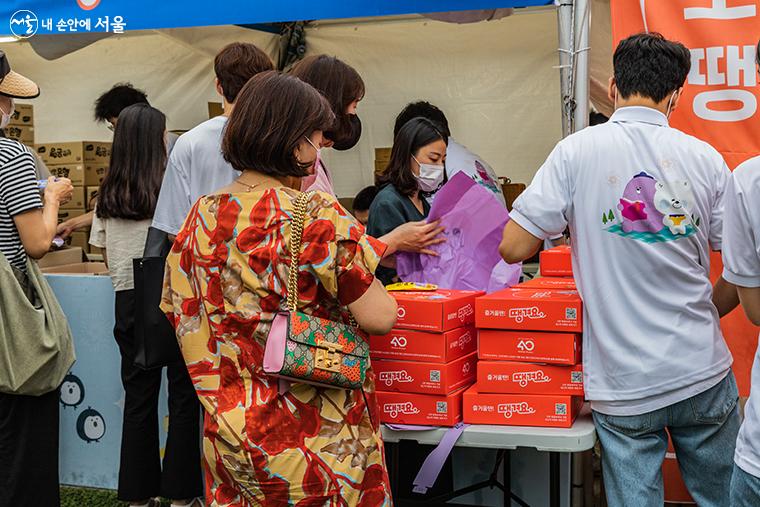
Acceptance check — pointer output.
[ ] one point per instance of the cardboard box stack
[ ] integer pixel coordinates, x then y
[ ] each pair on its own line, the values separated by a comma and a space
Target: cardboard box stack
70, 261
529, 373
382, 157
85, 163
424, 366
21, 126
556, 262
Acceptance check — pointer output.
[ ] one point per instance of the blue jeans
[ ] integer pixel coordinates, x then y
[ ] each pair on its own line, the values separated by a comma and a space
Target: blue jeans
703, 429
745, 489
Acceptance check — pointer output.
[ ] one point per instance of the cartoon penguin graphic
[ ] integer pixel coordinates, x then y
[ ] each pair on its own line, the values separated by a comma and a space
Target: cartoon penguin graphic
72, 391
91, 426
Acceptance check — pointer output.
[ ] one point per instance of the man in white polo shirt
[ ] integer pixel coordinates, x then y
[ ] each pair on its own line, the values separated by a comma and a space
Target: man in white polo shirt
644, 204
741, 260
196, 165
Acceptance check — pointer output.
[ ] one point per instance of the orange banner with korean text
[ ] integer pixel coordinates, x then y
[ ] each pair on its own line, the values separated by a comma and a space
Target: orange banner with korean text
720, 101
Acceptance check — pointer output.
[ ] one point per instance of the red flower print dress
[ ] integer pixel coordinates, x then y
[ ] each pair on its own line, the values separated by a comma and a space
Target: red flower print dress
225, 279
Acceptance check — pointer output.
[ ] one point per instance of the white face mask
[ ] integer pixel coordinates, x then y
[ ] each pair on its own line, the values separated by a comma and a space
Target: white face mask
670, 103
6, 118
430, 177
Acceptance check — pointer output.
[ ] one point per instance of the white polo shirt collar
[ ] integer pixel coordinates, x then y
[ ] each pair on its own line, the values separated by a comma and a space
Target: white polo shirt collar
640, 114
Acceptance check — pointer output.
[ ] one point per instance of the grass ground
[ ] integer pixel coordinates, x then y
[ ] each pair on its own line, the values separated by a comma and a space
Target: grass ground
85, 497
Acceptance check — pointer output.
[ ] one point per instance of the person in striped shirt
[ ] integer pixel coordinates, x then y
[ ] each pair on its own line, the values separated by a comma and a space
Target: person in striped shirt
28, 424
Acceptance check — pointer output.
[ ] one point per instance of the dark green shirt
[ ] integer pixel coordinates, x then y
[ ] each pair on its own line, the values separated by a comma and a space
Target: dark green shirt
389, 210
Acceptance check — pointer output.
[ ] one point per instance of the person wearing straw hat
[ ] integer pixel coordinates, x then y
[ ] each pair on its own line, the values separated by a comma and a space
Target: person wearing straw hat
28, 424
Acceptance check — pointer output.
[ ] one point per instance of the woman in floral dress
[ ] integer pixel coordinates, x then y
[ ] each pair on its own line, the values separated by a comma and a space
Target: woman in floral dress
226, 278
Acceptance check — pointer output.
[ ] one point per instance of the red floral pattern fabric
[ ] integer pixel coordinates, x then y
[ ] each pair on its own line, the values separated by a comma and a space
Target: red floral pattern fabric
226, 277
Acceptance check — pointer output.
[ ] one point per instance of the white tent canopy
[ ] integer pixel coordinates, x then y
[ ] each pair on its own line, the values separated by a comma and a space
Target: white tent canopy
497, 82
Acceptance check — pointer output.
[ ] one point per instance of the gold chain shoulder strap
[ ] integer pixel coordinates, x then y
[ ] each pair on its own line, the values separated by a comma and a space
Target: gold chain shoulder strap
296, 238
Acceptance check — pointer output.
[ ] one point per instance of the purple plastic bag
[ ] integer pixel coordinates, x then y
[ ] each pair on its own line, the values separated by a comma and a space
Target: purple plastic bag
469, 259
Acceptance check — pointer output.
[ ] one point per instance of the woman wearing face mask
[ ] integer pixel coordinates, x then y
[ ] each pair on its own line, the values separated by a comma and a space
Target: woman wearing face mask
343, 88
227, 277
416, 166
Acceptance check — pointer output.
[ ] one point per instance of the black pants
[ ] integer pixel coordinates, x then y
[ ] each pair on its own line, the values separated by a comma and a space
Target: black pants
141, 475
29, 450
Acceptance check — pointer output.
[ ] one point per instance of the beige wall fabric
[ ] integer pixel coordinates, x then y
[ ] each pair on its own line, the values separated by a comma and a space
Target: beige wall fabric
496, 81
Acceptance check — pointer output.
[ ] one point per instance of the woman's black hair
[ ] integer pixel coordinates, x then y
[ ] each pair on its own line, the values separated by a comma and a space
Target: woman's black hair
138, 160
415, 134
340, 84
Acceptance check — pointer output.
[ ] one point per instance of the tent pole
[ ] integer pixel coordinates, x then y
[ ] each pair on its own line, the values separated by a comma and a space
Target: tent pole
581, 92
565, 20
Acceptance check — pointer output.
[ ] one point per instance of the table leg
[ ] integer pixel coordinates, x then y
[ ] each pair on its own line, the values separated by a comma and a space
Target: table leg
507, 477
394, 470
554, 479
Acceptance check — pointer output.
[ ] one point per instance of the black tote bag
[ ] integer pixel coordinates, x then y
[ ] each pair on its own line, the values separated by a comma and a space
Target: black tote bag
156, 343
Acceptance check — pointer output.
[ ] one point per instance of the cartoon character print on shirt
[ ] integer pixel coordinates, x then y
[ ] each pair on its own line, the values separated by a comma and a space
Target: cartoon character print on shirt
673, 201
484, 179
637, 205
653, 212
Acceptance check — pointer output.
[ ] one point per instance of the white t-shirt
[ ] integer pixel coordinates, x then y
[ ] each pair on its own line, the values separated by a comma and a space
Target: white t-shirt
741, 259
196, 168
643, 202
124, 240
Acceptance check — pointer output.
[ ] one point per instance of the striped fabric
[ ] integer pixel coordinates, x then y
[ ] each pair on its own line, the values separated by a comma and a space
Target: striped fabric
18, 194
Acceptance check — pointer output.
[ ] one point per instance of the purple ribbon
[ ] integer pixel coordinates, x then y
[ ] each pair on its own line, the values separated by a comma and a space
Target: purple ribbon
433, 464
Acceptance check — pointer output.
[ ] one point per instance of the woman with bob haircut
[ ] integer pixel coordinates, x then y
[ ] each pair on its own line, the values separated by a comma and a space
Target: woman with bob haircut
226, 279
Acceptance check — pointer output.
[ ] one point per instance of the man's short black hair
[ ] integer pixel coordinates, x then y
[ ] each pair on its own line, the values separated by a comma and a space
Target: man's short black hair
114, 101
650, 66
425, 110
364, 198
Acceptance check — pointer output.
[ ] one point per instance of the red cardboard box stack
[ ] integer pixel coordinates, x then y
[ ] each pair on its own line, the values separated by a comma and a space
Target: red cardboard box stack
423, 367
556, 261
529, 372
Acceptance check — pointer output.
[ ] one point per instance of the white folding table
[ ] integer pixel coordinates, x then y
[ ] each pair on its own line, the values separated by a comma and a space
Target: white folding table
555, 441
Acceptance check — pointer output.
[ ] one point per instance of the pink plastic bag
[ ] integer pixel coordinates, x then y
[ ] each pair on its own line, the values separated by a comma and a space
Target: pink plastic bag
469, 259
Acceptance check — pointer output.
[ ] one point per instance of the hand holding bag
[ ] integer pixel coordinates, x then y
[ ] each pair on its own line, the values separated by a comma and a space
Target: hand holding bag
307, 349
36, 346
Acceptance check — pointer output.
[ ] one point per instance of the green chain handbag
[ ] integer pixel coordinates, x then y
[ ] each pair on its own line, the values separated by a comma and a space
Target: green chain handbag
307, 349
